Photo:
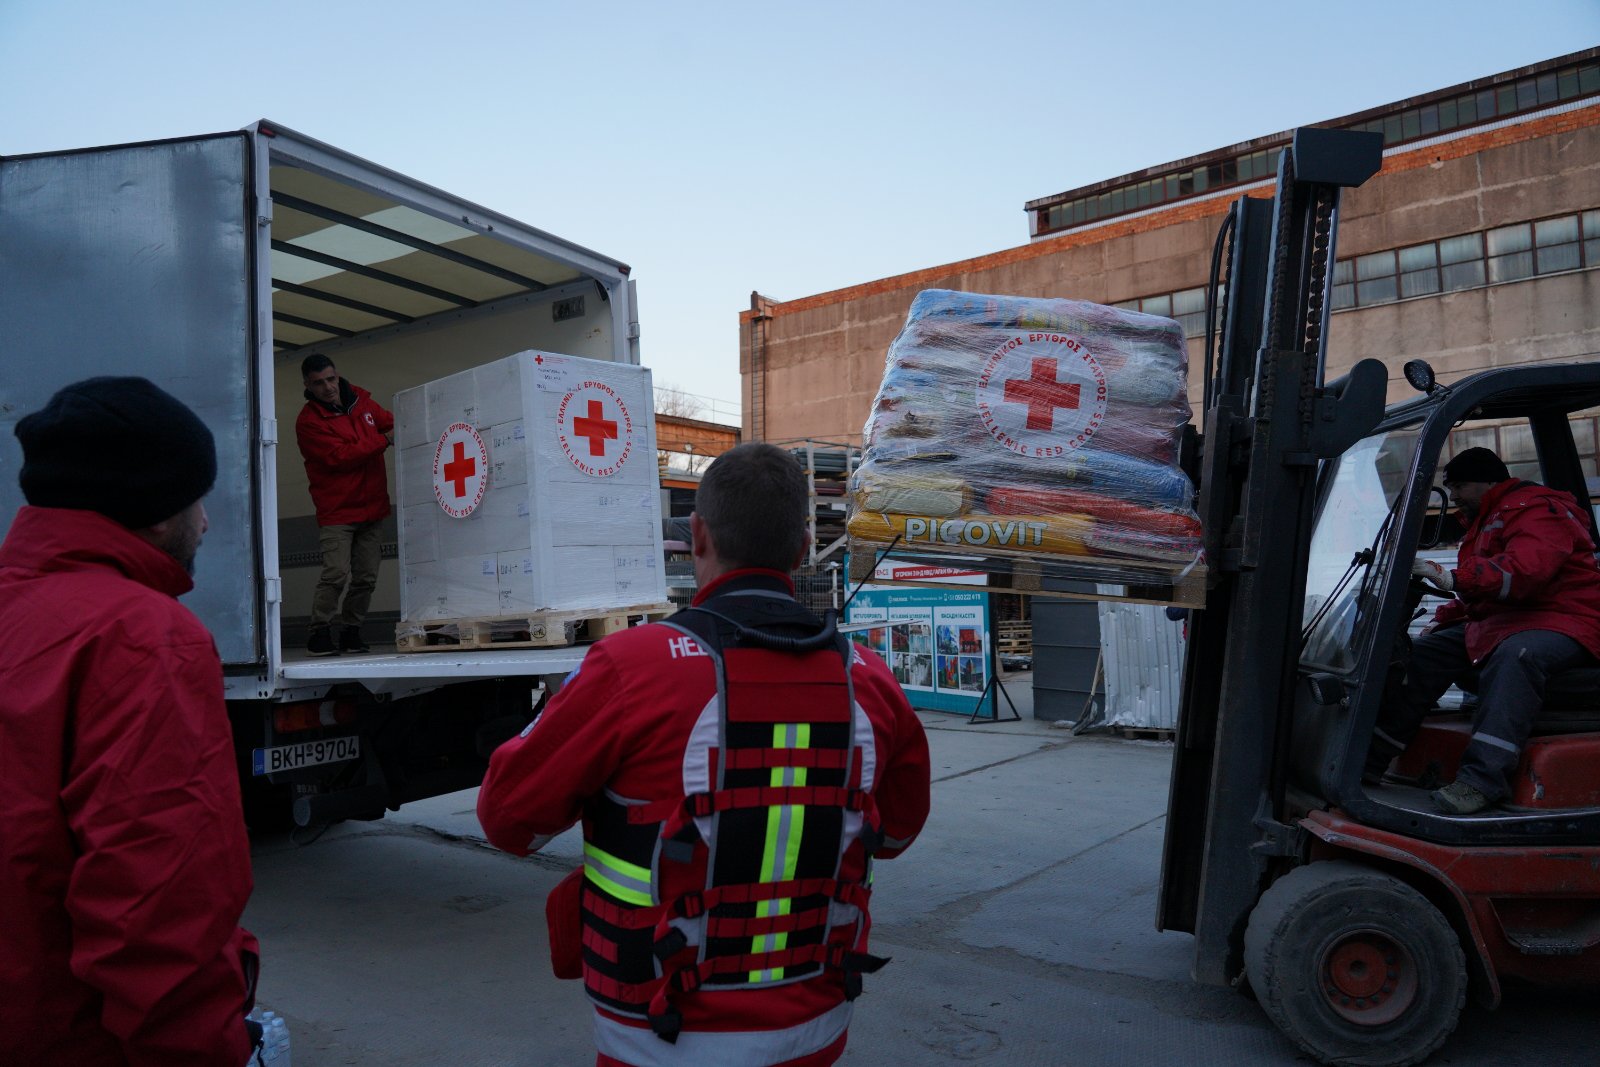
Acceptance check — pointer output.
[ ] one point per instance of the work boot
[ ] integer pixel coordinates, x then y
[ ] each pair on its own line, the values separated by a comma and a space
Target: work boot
320, 642
350, 640
1459, 798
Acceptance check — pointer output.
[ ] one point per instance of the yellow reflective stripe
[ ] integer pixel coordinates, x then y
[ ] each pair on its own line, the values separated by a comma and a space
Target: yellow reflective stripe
626, 881
771, 870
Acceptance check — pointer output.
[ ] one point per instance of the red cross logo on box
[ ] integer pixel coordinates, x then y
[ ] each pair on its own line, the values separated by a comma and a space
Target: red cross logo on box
595, 429
1042, 394
460, 470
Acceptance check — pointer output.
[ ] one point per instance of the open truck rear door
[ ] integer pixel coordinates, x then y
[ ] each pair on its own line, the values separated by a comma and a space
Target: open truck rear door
138, 259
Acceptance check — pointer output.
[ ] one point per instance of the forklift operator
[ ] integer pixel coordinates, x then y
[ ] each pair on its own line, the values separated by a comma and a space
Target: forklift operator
1526, 606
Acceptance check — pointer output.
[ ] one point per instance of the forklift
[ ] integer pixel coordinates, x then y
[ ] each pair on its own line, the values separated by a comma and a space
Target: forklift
1359, 916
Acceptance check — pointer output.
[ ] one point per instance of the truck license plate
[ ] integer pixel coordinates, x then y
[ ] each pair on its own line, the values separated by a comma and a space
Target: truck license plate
305, 754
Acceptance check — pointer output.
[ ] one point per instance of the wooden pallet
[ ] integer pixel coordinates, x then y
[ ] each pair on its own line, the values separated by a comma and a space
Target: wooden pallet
1014, 638
542, 629
1143, 733
1131, 581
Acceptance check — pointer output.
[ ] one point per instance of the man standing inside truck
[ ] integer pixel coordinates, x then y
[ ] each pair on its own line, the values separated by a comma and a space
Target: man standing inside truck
124, 864
343, 433
737, 767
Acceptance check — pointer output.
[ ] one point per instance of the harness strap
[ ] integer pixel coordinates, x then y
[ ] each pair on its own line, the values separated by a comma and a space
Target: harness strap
702, 805
599, 944
692, 905
637, 993
670, 941
744, 759
615, 915
805, 919
667, 1021
843, 957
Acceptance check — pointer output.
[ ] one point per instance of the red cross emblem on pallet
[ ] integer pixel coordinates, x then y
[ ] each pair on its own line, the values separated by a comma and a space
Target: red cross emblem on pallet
460, 470
1042, 394
595, 429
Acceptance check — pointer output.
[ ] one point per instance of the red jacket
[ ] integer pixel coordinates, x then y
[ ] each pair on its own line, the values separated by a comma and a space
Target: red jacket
622, 724
124, 863
1526, 563
343, 451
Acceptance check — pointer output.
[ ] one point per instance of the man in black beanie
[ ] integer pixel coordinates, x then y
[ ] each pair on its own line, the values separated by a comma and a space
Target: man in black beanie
124, 863
1526, 606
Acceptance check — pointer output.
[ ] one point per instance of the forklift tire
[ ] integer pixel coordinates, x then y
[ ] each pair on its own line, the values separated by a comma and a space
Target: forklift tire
1355, 965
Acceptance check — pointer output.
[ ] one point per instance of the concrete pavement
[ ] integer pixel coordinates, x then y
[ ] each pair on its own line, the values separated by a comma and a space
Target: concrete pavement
1021, 926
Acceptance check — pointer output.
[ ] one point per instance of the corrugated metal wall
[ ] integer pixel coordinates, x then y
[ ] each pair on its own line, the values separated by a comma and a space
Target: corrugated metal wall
1143, 655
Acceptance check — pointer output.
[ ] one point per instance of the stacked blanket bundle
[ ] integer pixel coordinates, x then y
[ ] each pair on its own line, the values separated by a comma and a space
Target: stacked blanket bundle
1009, 425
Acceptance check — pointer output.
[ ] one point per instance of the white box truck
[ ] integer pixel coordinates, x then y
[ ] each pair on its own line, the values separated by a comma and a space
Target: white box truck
212, 265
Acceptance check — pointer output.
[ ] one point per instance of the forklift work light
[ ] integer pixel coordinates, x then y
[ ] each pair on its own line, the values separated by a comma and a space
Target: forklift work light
1419, 374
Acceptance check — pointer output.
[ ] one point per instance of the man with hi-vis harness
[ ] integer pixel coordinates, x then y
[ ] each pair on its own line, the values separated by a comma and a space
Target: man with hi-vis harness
737, 767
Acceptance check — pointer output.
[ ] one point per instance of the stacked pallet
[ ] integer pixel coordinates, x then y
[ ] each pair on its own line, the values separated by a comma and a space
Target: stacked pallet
1012, 428
1015, 638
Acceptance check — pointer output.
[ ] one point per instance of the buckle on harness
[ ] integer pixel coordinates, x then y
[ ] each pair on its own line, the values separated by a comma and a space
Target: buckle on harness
670, 945
690, 905
700, 805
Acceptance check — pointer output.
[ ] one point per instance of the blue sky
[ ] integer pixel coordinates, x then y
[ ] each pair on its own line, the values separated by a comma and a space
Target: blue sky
720, 148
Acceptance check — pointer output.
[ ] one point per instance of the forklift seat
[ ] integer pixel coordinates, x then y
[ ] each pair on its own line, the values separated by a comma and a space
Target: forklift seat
1571, 702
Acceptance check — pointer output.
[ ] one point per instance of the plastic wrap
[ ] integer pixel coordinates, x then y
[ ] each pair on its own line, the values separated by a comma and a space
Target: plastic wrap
528, 485
1010, 426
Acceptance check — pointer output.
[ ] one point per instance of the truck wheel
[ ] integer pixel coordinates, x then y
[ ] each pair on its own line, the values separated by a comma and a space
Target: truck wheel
1355, 965
268, 808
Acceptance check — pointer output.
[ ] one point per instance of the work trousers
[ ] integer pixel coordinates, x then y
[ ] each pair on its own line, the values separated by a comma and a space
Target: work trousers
350, 556
1511, 684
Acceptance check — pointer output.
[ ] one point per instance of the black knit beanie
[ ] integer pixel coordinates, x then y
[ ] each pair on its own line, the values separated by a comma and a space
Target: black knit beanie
120, 446
1476, 465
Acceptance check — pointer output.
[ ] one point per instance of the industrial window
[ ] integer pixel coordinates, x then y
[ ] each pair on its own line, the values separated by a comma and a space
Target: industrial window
1461, 262
1344, 289
1188, 306
1516, 449
1157, 305
1513, 442
1375, 278
1429, 120
1556, 243
1510, 252
1419, 270
1469, 260
1586, 435
1473, 437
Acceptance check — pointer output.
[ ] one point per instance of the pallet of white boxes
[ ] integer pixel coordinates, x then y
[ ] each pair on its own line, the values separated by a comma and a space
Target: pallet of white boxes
530, 504
1036, 439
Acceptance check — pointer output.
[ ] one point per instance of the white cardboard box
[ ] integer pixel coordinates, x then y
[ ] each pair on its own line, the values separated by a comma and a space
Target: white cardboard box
570, 512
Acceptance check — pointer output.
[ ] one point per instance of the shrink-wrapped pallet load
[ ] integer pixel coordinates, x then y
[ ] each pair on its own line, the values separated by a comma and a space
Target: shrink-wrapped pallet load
527, 485
1019, 427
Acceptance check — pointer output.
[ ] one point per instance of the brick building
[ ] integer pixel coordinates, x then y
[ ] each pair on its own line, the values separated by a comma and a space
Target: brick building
1477, 245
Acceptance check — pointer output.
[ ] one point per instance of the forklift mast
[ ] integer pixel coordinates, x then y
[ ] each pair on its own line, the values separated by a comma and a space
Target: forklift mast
1269, 419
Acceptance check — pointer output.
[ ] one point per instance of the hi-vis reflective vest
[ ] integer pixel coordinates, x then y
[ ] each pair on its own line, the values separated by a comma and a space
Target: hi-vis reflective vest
758, 875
